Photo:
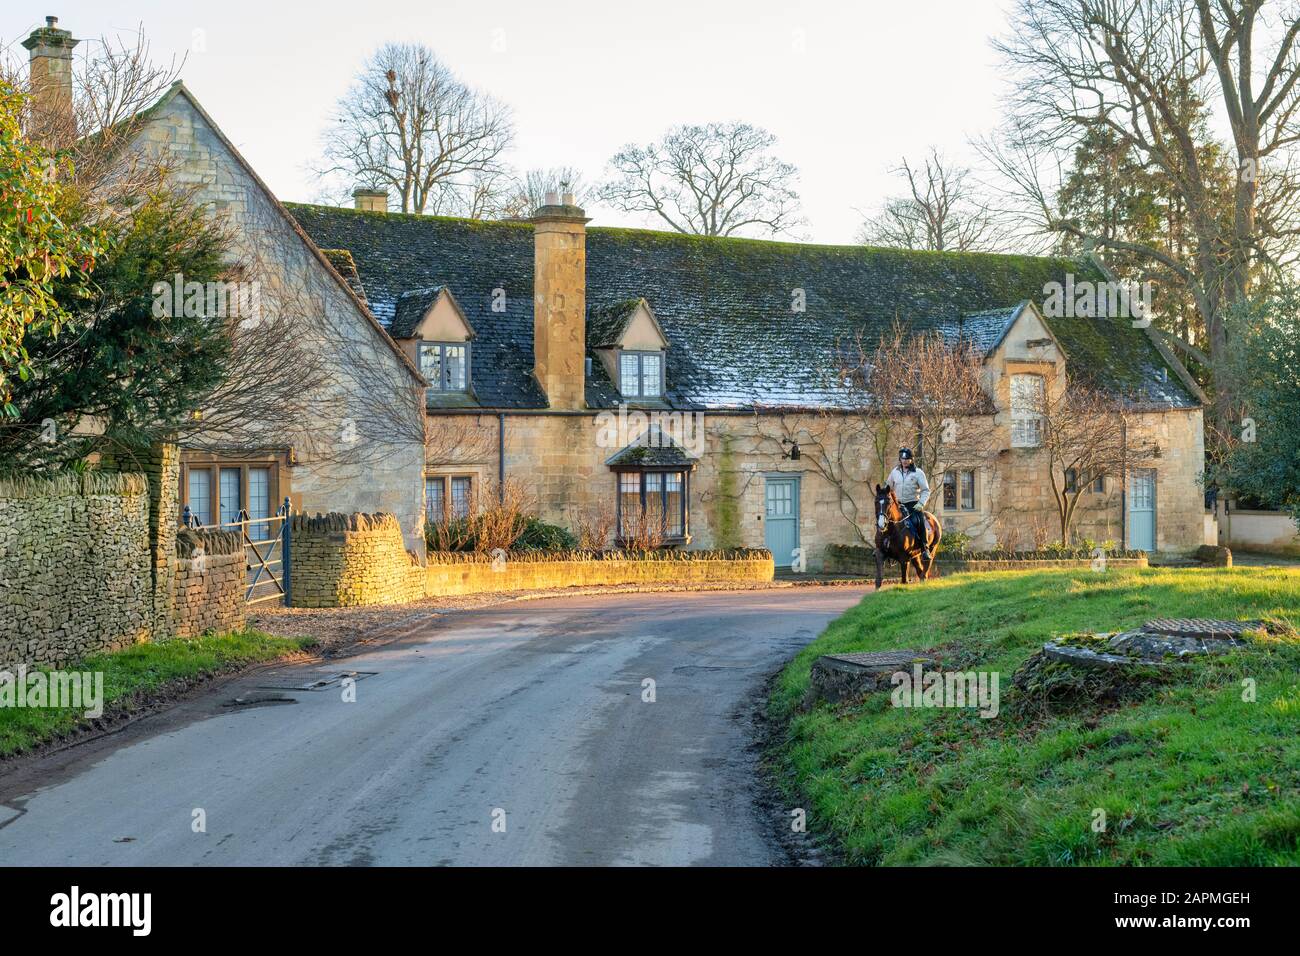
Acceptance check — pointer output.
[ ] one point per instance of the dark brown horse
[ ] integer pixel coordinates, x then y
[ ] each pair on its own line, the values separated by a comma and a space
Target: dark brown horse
895, 538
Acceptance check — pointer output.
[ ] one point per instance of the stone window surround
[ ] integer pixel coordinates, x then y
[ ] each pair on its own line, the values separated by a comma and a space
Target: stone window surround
956, 477
1097, 486
441, 385
642, 470
277, 489
1020, 416
447, 476
639, 353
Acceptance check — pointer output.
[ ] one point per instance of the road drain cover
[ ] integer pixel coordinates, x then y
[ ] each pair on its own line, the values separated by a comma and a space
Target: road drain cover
313, 681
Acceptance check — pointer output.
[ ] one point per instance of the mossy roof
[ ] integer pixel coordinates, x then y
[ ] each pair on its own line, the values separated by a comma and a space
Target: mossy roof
729, 306
345, 266
606, 324
410, 309
654, 449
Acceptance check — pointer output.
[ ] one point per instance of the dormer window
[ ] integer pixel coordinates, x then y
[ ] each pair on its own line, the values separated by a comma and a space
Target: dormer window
641, 374
445, 365
631, 345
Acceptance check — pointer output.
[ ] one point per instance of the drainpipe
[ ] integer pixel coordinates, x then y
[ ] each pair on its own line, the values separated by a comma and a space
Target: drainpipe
1123, 487
501, 457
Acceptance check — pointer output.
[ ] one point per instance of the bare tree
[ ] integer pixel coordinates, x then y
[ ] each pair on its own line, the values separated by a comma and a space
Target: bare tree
529, 190
1086, 434
1159, 75
940, 212
407, 124
114, 81
714, 179
903, 388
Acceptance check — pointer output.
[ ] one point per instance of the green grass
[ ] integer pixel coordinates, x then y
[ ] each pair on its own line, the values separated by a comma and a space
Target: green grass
1188, 775
135, 675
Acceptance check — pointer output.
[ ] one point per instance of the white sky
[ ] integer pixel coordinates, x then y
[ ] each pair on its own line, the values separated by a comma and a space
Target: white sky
848, 87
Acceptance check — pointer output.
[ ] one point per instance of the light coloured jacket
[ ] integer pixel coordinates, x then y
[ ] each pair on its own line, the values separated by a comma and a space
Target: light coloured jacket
910, 486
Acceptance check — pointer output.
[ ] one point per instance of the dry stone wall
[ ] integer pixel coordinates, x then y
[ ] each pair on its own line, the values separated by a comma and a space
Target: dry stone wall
339, 560
208, 583
93, 562
75, 572
346, 560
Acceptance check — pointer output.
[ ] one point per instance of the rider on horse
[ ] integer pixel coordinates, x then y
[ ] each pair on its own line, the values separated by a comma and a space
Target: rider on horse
913, 491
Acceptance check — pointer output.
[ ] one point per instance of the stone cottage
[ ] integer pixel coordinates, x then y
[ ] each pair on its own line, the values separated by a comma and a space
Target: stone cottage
630, 370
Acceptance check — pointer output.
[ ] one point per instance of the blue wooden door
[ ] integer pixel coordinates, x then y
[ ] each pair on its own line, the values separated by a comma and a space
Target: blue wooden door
1142, 510
781, 516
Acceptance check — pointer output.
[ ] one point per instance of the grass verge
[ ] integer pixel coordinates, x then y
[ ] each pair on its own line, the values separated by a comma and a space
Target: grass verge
1187, 774
140, 676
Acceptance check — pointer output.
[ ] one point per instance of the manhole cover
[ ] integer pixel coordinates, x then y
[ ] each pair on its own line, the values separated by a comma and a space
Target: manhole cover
1201, 627
313, 681
879, 659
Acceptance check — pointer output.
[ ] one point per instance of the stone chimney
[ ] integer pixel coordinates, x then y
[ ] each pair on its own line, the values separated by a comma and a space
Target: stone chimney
50, 53
370, 200
560, 301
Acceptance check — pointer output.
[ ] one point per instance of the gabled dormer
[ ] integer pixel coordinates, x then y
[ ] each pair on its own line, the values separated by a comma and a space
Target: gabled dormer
1024, 368
431, 326
630, 343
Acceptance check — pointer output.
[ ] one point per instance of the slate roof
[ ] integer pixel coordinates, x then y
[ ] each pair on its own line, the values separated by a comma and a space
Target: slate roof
411, 306
606, 324
345, 266
727, 306
653, 449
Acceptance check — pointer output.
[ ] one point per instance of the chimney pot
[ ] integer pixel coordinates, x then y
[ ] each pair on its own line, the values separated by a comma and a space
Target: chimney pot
552, 198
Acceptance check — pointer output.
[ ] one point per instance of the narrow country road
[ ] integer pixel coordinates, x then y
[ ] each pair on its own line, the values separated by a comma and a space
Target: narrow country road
527, 718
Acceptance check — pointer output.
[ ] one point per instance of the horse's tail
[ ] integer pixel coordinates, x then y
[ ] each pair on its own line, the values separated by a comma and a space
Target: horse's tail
938, 530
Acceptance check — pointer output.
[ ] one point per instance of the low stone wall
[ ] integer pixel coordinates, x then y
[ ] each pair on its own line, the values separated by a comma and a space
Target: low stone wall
453, 574
846, 559
1215, 555
75, 570
341, 560
208, 583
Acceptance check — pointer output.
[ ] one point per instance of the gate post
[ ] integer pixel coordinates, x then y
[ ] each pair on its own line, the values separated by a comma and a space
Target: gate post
285, 563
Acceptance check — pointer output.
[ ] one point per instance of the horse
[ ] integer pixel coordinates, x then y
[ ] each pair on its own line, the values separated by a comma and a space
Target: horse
895, 538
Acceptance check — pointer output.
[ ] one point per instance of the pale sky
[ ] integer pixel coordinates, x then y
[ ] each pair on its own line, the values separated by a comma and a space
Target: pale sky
848, 88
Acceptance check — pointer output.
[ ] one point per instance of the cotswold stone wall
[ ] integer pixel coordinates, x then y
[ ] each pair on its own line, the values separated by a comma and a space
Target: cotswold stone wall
208, 582
339, 560
451, 574
93, 562
75, 571
344, 560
